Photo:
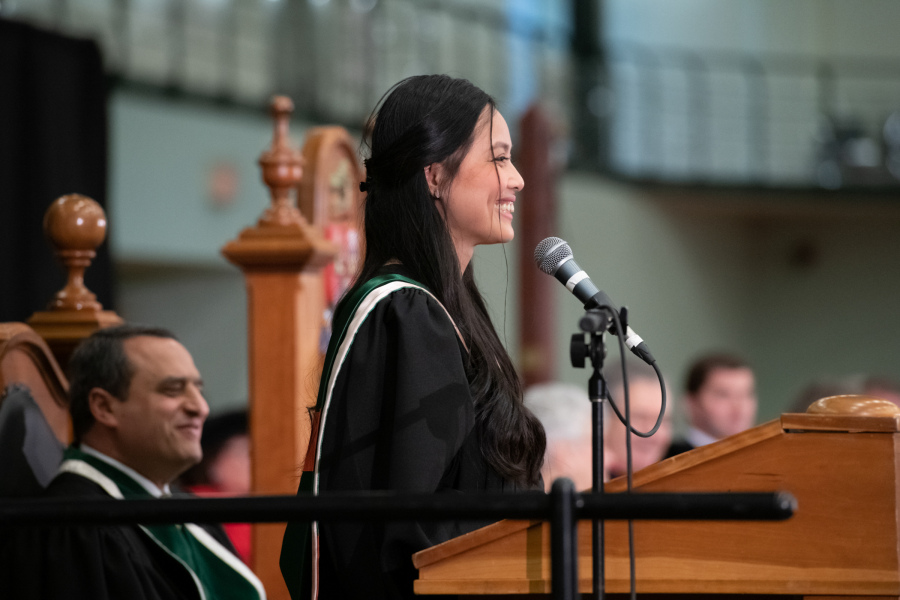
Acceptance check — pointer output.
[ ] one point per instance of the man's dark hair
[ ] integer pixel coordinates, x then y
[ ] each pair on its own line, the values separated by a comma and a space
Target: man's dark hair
703, 366
100, 362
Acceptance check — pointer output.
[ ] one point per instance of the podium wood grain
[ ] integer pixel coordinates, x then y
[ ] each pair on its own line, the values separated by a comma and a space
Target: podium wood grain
842, 541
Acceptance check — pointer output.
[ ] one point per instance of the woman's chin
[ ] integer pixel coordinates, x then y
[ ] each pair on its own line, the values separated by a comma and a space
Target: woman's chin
504, 237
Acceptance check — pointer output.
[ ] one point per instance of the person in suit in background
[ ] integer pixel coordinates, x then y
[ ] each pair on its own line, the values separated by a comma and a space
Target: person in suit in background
720, 400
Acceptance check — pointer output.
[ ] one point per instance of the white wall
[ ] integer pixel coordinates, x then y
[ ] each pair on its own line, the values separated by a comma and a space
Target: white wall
672, 270
166, 233
836, 316
206, 308
162, 155
804, 286
698, 270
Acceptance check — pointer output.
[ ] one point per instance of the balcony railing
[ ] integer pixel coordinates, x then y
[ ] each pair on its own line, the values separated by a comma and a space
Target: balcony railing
335, 58
732, 119
657, 114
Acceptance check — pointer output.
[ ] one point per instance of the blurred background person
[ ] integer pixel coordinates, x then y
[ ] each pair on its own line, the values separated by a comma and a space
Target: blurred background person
720, 400
224, 470
645, 399
565, 411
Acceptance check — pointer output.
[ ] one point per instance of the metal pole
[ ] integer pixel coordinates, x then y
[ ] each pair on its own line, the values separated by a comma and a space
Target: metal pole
386, 506
598, 525
563, 540
598, 393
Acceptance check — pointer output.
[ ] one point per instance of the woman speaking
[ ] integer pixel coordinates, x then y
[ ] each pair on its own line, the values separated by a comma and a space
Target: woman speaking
418, 394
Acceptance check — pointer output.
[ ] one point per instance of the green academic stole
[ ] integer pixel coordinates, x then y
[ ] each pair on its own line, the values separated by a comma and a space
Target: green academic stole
217, 573
300, 549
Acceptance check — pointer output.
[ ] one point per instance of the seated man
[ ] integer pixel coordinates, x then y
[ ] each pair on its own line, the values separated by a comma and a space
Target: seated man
720, 401
137, 410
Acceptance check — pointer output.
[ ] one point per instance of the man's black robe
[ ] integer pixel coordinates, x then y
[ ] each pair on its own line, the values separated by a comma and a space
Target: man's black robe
90, 562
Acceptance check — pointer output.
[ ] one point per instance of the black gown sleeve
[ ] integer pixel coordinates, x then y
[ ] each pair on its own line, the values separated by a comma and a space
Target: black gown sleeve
86, 563
400, 414
89, 563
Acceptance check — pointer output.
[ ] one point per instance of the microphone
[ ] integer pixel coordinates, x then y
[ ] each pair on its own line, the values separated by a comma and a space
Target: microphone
554, 257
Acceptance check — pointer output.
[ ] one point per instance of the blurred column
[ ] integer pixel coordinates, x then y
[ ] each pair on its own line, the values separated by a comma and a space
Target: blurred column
537, 220
591, 130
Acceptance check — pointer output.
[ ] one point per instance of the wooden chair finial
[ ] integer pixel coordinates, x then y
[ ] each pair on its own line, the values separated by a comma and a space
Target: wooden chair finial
282, 168
75, 226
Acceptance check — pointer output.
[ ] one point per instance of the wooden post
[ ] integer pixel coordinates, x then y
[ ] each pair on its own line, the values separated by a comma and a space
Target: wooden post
282, 258
75, 225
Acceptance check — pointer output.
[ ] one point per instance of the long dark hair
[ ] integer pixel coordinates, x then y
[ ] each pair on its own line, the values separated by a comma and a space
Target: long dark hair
424, 120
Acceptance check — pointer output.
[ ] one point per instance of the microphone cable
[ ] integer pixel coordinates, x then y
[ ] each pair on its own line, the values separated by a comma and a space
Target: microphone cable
626, 421
632, 575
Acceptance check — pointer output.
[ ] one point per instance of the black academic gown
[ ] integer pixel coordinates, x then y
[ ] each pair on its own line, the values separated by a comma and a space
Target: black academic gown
90, 563
401, 418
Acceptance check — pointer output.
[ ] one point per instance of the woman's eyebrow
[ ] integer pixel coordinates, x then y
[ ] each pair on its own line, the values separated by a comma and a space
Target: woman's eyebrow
502, 146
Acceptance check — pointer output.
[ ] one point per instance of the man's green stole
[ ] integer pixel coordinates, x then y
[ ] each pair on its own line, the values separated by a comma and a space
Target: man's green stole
218, 573
299, 551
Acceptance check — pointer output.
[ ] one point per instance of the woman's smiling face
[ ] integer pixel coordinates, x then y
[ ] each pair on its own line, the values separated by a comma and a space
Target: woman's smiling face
480, 202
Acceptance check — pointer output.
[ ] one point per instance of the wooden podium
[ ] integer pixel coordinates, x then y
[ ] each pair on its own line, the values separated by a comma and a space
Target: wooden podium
842, 540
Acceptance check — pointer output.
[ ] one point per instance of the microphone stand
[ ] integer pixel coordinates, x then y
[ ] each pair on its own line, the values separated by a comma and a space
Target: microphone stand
594, 323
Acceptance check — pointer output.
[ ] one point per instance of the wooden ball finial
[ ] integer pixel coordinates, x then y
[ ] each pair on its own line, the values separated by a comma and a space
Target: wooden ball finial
75, 226
858, 405
282, 168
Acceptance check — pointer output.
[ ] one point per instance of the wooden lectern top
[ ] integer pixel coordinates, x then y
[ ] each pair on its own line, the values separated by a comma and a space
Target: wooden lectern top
842, 540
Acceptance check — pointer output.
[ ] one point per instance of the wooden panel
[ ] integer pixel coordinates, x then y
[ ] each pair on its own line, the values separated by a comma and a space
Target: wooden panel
842, 540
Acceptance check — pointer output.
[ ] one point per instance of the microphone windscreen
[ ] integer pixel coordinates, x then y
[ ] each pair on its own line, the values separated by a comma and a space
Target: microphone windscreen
550, 253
